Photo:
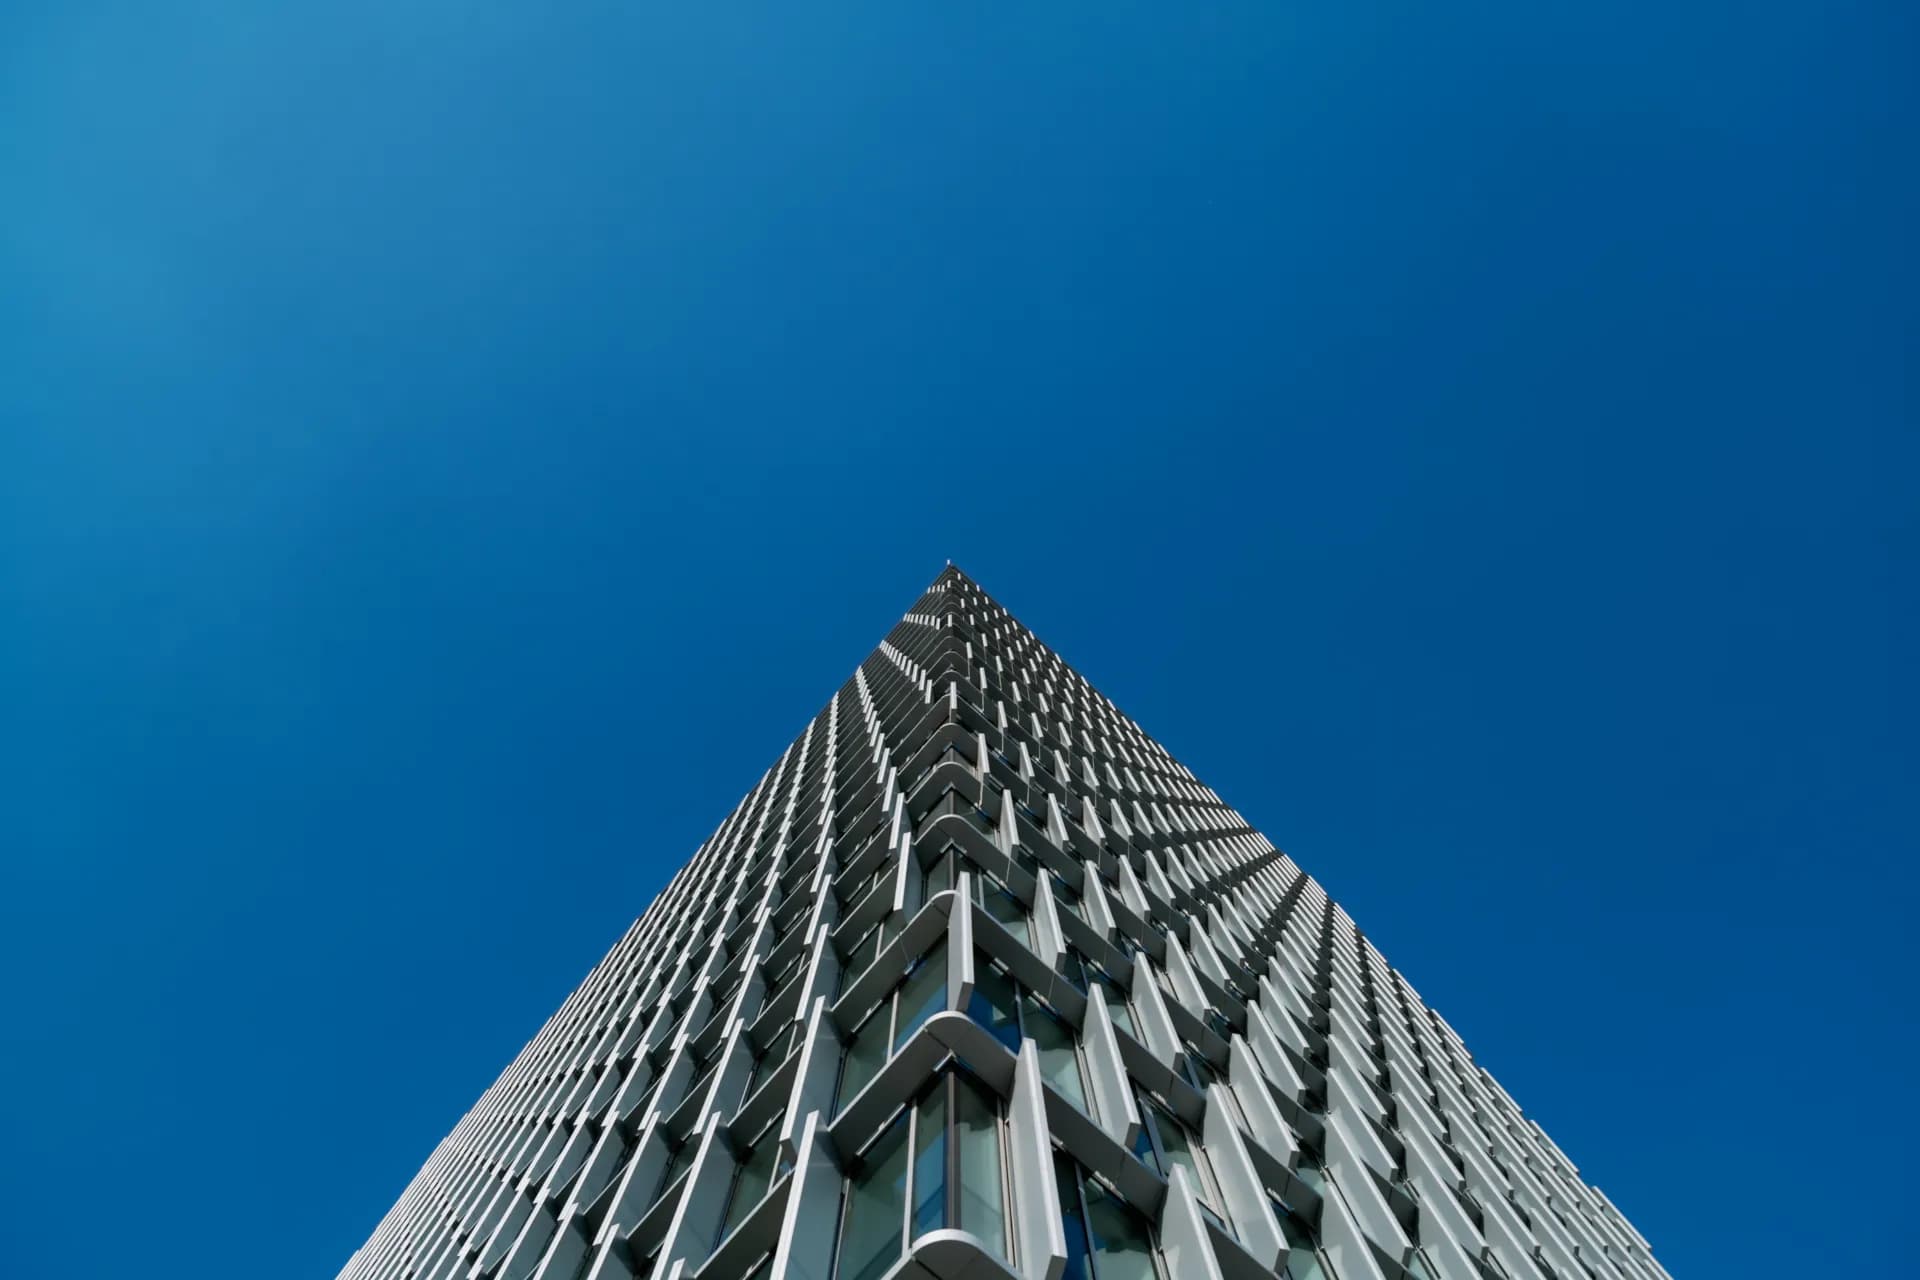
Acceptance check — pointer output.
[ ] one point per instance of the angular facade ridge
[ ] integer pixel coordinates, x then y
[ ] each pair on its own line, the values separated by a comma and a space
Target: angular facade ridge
976, 982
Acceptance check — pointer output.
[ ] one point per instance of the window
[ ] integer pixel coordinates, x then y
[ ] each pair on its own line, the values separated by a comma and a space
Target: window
724, 991
865, 951
919, 997
1084, 973
870, 1214
866, 1054
675, 1169
777, 982
759, 1165
979, 1199
1198, 1071
922, 995
1165, 1141
940, 1164
1304, 1261
1000, 903
771, 1058
996, 1002
851, 895
665, 1035
1012, 1013
1059, 1056
780, 927
703, 1065
1107, 1239
1310, 1168
646, 1094
1066, 895
988, 890
1238, 980
938, 877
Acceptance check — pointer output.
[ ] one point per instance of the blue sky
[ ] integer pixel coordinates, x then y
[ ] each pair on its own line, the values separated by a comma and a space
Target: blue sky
447, 450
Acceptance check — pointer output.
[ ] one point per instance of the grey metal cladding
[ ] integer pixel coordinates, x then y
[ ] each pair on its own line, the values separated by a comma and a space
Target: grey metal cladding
978, 981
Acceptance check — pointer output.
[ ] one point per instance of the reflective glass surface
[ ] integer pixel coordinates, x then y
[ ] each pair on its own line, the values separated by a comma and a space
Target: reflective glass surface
977, 1134
870, 1233
930, 1162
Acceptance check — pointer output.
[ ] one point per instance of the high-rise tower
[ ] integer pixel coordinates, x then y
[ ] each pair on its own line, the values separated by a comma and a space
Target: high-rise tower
977, 982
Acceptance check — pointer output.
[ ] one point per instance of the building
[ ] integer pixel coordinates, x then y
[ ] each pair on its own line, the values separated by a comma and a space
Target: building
978, 981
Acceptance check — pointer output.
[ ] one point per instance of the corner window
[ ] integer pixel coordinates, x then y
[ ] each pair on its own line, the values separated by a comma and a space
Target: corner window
940, 1164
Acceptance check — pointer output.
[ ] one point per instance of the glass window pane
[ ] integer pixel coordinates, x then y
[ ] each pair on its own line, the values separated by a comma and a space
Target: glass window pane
982, 1202
865, 1056
1143, 1149
1073, 1223
682, 1157
755, 1176
939, 876
1005, 908
870, 1235
1303, 1261
1075, 969
1179, 1150
923, 994
1059, 1064
863, 952
930, 1162
1068, 898
1117, 1005
1122, 1249
993, 1004
775, 1056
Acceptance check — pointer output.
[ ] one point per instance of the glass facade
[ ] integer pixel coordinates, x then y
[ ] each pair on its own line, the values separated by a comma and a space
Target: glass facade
919, 997
939, 1164
1107, 1239
1258, 1037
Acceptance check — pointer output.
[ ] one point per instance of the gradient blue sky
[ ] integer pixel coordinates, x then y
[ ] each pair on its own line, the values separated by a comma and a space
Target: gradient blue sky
448, 449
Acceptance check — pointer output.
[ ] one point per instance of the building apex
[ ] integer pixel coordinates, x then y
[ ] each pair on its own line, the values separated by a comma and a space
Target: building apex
951, 570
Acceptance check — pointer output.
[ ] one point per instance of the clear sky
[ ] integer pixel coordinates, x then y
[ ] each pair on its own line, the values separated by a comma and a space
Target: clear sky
448, 449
